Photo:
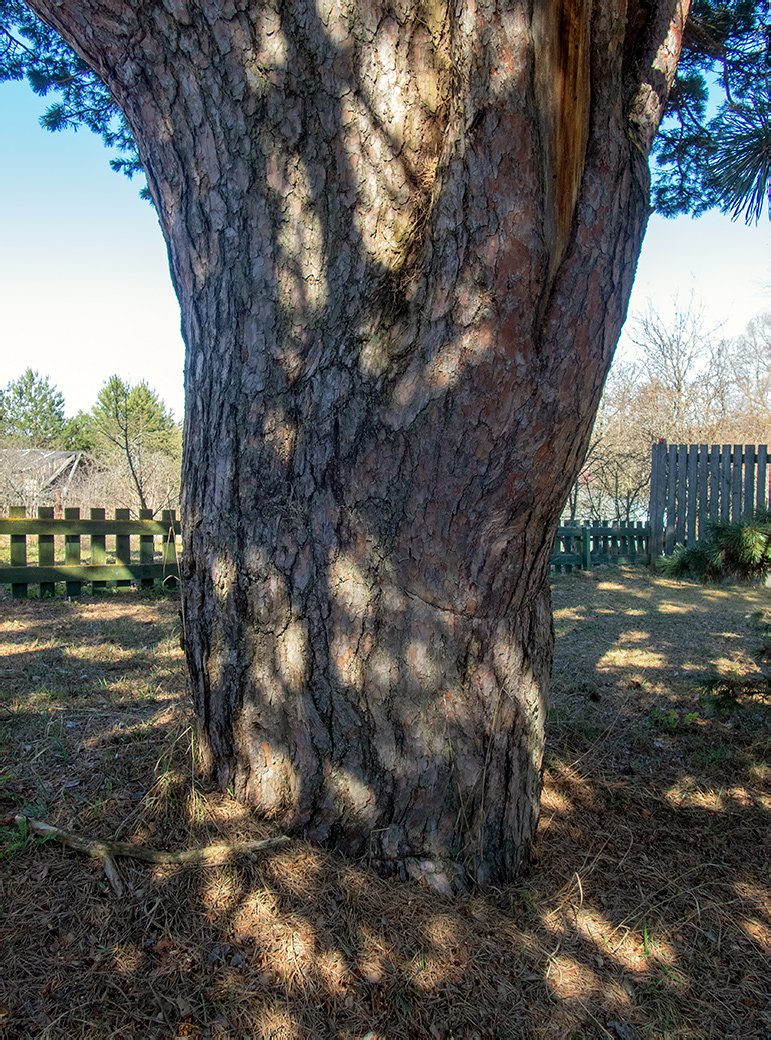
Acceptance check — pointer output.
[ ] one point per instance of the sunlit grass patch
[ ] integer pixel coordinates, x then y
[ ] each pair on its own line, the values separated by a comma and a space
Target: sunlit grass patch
645, 906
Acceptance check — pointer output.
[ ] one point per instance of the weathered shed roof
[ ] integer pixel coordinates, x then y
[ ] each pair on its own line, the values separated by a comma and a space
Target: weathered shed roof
41, 467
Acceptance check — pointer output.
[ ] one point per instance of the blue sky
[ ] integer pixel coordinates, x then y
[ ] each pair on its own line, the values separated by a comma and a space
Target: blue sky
84, 282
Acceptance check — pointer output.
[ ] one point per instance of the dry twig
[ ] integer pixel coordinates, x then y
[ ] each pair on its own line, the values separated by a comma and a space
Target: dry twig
107, 851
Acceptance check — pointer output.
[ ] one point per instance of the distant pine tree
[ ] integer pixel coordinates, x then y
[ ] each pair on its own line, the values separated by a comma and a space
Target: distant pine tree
133, 423
32, 412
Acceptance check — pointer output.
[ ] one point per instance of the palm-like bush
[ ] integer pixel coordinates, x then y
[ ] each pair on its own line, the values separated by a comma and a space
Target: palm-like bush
739, 550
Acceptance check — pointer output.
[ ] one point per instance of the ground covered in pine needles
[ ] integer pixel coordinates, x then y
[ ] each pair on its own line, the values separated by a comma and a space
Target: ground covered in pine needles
647, 911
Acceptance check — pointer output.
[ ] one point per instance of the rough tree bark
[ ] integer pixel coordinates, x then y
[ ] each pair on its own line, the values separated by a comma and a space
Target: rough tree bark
403, 235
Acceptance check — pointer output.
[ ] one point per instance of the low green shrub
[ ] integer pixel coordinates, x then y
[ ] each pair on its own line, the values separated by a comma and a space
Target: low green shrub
739, 550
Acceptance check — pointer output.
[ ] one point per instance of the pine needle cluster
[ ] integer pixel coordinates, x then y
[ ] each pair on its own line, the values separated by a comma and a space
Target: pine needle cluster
738, 550
713, 149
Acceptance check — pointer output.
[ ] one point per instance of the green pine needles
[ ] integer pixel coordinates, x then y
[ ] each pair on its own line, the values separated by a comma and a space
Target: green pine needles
738, 550
31, 50
713, 149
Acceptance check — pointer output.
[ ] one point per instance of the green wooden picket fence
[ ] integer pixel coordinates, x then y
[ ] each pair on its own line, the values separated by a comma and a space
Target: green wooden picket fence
602, 542
152, 557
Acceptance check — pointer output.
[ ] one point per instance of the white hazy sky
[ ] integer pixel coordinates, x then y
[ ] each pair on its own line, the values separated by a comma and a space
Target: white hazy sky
84, 282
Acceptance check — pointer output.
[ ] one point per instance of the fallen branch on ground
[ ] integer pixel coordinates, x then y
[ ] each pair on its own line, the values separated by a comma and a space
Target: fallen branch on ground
108, 851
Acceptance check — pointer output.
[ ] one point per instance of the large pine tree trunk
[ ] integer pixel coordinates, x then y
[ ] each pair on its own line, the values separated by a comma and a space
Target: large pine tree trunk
403, 236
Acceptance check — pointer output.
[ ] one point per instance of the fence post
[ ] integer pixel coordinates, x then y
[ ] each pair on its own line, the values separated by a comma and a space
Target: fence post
18, 552
762, 500
749, 479
146, 548
658, 497
123, 547
169, 547
72, 551
98, 551
586, 548
736, 483
45, 551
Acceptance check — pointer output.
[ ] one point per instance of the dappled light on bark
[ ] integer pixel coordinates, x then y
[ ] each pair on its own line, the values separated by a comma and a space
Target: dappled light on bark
403, 241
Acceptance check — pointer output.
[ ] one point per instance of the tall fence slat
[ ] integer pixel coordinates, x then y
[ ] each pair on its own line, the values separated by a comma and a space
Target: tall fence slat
703, 490
762, 490
714, 482
72, 552
736, 482
749, 479
682, 493
146, 548
658, 497
45, 551
98, 551
18, 553
122, 546
725, 482
692, 454
669, 531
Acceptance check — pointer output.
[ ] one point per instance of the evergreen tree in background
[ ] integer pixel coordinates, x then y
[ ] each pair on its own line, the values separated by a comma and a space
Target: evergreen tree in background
32, 412
133, 423
78, 433
704, 159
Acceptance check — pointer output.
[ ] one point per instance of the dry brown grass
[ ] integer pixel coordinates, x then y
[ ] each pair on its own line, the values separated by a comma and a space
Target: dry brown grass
647, 911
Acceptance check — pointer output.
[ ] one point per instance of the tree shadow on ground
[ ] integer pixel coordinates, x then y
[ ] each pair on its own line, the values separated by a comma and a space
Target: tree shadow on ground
645, 912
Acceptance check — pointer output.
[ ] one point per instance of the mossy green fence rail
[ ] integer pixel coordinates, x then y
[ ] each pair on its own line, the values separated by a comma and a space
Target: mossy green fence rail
152, 556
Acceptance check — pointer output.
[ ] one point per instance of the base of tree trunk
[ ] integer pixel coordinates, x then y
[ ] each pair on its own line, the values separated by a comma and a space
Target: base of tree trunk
426, 764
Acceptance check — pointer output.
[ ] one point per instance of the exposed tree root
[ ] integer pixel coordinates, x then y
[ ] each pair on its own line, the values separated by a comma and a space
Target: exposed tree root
107, 851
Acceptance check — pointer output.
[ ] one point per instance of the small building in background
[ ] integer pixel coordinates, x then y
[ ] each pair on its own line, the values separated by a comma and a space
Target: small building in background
35, 477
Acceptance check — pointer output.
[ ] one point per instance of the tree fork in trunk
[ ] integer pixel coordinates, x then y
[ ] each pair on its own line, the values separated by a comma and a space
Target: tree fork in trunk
403, 238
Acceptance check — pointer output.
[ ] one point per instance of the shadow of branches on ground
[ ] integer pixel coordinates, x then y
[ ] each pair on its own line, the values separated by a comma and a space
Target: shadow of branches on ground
645, 912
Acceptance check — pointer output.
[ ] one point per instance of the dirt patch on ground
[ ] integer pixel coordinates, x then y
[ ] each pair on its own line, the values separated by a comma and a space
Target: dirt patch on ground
647, 911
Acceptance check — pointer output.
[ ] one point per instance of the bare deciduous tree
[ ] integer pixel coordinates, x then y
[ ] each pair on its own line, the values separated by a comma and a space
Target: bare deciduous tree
685, 386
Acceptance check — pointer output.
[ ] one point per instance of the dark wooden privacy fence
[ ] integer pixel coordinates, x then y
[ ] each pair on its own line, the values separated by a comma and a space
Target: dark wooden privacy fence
692, 484
603, 542
152, 557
